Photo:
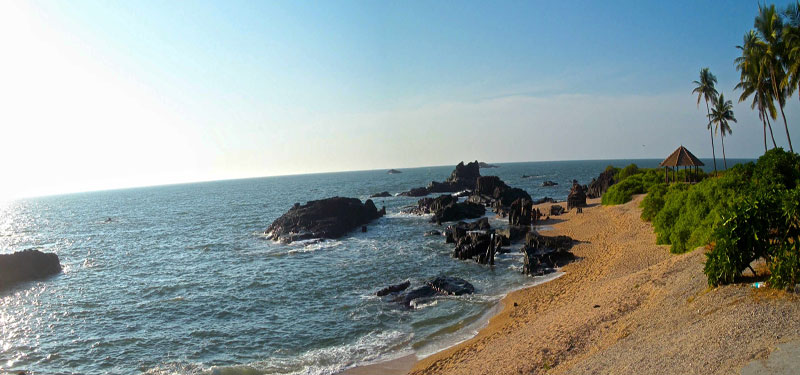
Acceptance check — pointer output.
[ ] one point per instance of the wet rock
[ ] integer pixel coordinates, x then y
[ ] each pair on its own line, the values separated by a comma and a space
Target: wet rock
325, 218
432, 233
447, 208
27, 265
556, 210
479, 246
381, 195
424, 291
549, 183
455, 232
461, 194
452, 286
393, 288
512, 233
416, 192
521, 213
458, 211
600, 185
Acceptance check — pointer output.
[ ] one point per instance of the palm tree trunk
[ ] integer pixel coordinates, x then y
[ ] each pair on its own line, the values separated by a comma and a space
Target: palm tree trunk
769, 124
713, 153
780, 105
724, 159
761, 115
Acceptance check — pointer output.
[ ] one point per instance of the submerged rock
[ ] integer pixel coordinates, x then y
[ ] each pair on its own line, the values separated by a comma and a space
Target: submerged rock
549, 183
381, 195
27, 265
393, 171
393, 288
452, 286
441, 285
325, 218
432, 233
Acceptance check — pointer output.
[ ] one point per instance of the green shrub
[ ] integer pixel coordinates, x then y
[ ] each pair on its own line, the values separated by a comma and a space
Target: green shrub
654, 201
785, 262
627, 172
743, 235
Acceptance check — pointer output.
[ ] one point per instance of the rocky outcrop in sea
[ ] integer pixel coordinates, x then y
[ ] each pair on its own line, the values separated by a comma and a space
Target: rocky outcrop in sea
462, 178
27, 265
325, 218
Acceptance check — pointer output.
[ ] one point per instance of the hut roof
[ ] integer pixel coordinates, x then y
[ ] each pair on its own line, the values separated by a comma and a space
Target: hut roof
683, 158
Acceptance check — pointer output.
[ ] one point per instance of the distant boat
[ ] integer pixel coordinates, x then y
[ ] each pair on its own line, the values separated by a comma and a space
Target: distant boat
487, 165
393, 171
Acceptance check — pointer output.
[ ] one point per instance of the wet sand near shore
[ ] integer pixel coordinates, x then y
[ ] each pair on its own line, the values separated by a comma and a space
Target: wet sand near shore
627, 306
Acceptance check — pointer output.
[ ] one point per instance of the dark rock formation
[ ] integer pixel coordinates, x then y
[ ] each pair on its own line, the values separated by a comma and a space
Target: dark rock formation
27, 265
416, 192
544, 200
325, 218
394, 288
512, 233
442, 285
492, 191
577, 196
462, 178
478, 245
458, 211
455, 232
522, 213
487, 185
549, 183
393, 171
599, 185
487, 165
452, 286
447, 208
432, 233
424, 291
381, 195
556, 210
542, 254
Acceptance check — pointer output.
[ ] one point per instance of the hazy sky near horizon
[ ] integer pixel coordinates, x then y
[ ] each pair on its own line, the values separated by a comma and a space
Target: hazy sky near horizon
107, 94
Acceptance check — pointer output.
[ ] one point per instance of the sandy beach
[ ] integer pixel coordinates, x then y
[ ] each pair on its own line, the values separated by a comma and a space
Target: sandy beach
627, 306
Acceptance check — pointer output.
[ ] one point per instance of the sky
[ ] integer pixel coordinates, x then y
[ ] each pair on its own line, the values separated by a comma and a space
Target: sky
111, 94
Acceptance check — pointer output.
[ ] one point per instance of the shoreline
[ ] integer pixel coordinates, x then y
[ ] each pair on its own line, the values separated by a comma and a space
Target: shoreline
406, 362
627, 306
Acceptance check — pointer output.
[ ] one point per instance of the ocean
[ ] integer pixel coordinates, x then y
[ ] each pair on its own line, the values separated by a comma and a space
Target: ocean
179, 279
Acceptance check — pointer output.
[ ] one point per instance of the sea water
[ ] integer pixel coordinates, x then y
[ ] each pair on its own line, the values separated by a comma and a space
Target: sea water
180, 279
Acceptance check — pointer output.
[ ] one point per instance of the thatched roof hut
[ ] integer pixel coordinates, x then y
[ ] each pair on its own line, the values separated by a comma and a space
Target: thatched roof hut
681, 157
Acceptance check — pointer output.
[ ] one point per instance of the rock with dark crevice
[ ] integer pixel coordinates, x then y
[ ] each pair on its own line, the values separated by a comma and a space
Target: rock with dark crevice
27, 265
325, 218
600, 185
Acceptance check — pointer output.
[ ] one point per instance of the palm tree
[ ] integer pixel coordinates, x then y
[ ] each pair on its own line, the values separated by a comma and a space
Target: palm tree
769, 26
704, 88
791, 40
721, 113
753, 81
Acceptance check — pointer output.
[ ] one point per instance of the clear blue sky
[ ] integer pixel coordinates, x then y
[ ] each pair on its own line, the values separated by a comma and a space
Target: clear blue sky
112, 93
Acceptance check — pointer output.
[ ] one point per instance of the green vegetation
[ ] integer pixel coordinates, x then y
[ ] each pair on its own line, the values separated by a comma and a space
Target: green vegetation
633, 180
749, 212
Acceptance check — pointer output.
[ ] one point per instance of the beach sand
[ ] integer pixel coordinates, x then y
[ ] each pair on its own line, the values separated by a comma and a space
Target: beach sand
627, 306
